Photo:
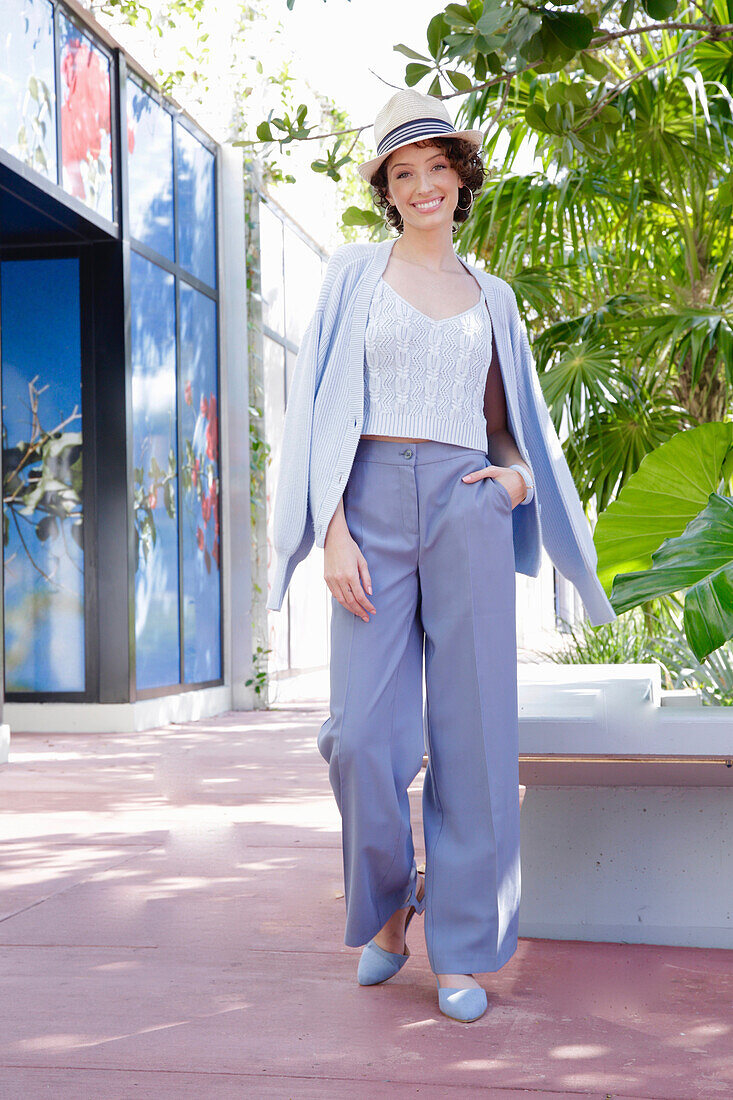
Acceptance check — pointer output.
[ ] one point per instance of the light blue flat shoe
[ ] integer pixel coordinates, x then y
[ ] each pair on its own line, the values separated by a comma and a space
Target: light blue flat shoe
465, 1005
377, 965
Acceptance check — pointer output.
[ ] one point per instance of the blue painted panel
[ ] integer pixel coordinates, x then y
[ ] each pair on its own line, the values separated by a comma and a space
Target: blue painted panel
42, 476
200, 507
155, 458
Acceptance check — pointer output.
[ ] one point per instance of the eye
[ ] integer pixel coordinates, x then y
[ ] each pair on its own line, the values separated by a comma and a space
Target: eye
404, 171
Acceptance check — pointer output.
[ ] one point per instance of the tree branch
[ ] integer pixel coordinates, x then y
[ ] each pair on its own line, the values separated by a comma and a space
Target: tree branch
628, 81
710, 27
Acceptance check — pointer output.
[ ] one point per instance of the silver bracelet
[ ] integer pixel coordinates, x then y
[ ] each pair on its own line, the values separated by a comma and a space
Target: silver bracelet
527, 481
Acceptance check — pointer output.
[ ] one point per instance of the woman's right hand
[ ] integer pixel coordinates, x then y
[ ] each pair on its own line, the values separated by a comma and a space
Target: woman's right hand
345, 568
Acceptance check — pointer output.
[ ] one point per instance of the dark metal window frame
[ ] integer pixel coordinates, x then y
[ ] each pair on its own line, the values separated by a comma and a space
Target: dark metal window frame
89, 457
111, 225
117, 231
180, 274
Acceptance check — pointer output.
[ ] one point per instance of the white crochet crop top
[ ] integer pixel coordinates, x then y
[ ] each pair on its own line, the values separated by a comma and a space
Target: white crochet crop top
425, 378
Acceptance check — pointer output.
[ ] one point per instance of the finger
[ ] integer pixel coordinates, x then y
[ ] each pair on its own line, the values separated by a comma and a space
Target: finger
366, 579
348, 601
486, 471
361, 600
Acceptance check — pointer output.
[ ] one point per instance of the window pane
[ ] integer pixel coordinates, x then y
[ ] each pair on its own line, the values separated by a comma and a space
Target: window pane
150, 168
42, 476
27, 96
195, 171
302, 282
200, 488
273, 361
154, 427
271, 270
86, 147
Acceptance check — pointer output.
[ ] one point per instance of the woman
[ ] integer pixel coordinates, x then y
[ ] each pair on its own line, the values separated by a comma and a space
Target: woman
420, 546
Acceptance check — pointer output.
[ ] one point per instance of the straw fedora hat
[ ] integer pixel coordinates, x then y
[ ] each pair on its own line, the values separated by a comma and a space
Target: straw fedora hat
411, 116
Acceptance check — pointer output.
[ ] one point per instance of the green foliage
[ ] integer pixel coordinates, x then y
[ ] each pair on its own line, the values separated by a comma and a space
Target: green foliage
623, 263
259, 663
354, 216
670, 530
712, 677
669, 489
641, 637
700, 560
622, 641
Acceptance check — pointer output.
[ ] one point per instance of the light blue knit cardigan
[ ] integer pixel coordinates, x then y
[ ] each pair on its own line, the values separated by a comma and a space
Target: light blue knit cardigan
324, 416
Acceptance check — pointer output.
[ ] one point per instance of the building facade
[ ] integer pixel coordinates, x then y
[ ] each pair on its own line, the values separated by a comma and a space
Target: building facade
124, 389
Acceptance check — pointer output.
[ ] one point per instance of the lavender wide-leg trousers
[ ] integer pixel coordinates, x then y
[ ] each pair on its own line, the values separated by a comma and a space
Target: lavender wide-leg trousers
441, 558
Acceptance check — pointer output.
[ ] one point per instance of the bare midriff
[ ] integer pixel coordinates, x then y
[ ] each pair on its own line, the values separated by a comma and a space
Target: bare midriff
395, 438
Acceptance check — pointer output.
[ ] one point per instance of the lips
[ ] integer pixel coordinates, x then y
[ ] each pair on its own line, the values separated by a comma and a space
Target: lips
427, 208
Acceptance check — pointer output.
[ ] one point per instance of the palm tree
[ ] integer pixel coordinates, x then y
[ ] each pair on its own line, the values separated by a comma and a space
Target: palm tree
622, 260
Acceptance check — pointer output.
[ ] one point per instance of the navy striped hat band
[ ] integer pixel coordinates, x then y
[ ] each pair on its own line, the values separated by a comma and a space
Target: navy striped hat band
413, 131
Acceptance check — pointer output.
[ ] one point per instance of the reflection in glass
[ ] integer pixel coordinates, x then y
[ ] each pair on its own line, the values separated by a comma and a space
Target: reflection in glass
195, 172
86, 147
150, 167
155, 461
42, 476
200, 534
27, 96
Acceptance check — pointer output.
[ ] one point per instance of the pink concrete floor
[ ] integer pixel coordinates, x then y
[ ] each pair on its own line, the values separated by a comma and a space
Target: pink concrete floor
171, 925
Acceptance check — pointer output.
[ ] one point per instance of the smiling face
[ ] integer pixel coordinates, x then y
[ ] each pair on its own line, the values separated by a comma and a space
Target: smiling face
423, 185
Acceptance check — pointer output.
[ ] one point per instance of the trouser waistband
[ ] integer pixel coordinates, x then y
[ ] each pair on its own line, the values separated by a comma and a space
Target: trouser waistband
401, 452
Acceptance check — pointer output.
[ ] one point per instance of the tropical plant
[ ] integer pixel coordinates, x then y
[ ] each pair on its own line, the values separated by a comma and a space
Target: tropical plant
671, 529
644, 637
622, 641
712, 677
624, 264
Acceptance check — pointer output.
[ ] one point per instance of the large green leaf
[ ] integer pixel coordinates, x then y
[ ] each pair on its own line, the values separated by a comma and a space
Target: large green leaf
701, 560
670, 487
708, 614
572, 30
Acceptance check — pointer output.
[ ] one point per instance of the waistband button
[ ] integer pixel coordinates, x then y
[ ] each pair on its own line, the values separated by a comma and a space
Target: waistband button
407, 453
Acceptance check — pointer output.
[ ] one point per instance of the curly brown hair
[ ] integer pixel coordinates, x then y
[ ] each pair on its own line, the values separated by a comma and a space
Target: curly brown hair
461, 155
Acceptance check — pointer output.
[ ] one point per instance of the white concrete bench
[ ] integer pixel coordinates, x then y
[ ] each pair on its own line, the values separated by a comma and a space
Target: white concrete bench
626, 811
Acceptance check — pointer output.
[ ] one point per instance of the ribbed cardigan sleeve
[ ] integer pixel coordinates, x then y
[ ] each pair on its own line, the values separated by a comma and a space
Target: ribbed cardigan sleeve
566, 532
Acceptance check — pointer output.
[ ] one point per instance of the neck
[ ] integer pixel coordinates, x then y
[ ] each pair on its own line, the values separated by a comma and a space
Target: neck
433, 248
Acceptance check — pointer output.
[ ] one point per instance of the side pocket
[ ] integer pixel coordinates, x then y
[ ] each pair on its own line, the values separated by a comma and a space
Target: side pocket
504, 492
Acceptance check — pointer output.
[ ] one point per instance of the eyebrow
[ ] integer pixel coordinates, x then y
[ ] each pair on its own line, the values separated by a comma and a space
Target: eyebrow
409, 163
